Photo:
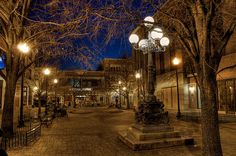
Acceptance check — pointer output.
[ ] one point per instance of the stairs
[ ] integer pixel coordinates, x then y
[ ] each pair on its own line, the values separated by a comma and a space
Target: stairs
146, 137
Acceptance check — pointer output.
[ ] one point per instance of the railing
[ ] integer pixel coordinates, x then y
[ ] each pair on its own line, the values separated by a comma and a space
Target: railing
33, 134
21, 139
17, 140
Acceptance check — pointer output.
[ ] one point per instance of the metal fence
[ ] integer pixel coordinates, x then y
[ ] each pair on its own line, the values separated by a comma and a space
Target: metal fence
33, 134
21, 139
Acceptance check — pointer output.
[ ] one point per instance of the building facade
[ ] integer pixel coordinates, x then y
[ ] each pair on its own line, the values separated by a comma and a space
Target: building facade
81, 88
119, 78
189, 93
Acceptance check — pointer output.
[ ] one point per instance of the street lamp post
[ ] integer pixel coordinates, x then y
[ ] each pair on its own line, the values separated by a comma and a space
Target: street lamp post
150, 110
46, 73
119, 83
24, 49
152, 122
176, 62
55, 81
125, 96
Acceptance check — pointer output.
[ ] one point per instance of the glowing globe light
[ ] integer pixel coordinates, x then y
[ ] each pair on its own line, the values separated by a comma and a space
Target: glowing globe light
156, 33
164, 41
35, 88
143, 43
137, 76
46, 71
55, 81
133, 38
148, 21
176, 61
23, 47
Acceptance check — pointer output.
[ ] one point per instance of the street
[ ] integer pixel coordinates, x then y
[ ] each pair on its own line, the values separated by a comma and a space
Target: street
93, 132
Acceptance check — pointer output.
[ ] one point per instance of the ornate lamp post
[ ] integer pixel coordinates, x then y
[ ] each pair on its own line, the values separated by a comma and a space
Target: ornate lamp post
152, 128
24, 49
150, 110
176, 62
46, 72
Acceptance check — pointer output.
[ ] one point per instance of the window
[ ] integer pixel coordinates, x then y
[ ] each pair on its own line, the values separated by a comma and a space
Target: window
227, 96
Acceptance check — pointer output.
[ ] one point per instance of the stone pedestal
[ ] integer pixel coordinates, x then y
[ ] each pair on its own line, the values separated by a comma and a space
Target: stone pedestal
152, 129
146, 137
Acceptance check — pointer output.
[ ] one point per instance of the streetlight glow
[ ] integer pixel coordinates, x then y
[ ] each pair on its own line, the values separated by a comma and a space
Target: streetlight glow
137, 76
23, 47
124, 88
150, 43
133, 39
35, 88
46, 71
148, 21
164, 41
156, 33
119, 82
143, 43
55, 81
176, 61
192, 89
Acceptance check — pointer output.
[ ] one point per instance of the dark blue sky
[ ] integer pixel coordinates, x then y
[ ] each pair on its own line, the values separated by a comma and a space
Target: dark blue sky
117, 45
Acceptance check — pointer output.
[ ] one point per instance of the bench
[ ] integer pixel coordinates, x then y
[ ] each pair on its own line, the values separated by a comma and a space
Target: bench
46, 120
61, 112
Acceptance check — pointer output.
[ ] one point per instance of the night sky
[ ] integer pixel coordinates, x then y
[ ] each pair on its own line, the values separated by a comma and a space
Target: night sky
117, 46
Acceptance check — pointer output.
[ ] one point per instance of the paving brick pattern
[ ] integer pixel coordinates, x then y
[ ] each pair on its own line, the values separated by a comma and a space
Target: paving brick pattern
95, 134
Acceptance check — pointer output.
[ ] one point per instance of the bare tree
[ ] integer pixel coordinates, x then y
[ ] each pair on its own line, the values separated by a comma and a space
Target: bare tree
204, 28
50, 28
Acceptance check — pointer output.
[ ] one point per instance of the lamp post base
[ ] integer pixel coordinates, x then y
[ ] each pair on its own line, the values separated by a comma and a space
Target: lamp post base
151, 111
152, 129
147, 137
178, 115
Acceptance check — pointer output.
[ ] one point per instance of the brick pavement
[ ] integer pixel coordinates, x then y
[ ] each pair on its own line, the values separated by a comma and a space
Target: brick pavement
95, 134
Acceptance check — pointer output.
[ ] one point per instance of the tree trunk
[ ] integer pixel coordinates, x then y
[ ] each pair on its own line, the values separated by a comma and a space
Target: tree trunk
8, 110
39, 108
127, 100
211, 145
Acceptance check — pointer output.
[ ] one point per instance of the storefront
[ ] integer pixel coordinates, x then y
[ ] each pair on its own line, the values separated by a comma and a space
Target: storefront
227, 95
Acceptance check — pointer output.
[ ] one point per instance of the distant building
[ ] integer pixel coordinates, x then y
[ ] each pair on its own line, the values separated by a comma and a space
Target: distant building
115, 71
80, 87
90, 88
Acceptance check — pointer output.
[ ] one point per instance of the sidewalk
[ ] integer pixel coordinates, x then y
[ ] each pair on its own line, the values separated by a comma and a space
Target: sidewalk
95, 134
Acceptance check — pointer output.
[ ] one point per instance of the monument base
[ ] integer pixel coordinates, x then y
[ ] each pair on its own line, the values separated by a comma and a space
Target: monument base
146, 137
